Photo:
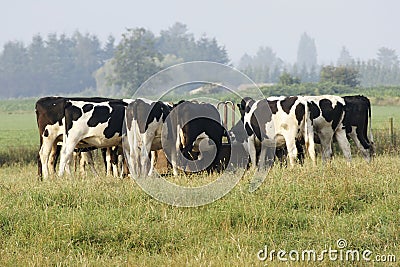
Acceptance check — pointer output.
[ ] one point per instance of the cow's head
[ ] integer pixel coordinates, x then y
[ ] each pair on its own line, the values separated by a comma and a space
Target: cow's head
245, 105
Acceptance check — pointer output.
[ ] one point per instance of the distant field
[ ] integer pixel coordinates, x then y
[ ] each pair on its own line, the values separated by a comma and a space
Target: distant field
18, 129
18, 105
381, 115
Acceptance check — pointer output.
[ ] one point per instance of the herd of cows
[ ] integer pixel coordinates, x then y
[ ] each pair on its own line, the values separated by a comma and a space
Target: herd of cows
130, 131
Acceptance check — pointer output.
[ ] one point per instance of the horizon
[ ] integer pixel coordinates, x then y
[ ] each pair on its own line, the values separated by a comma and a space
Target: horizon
361, 26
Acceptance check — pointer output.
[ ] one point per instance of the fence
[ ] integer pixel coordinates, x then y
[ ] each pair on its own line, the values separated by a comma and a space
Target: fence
386, 137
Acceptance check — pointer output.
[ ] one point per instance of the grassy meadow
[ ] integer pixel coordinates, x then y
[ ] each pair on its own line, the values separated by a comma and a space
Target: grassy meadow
104, 221
381, 115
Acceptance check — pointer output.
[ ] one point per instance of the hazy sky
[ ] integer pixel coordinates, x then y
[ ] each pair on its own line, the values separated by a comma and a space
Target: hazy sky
363, 26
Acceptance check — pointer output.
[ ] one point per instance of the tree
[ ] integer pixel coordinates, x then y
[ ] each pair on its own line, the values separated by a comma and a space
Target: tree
176, 41
179, 42
135, 59
340, 75
306, 52
387, 57
265, 57
103, 76
14, 81
61, 64
209, 50
37, 65
109, 48
87, 58
344, 57
265, 66
245, 61
287, 79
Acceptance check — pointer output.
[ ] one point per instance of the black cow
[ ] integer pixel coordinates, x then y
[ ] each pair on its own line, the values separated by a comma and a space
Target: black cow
194, 136
357, 114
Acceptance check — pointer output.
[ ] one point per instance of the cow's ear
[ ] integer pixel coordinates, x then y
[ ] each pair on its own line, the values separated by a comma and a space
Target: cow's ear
250, 102
67, 104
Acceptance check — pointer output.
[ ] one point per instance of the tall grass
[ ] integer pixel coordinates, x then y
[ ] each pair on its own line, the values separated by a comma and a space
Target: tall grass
107, 221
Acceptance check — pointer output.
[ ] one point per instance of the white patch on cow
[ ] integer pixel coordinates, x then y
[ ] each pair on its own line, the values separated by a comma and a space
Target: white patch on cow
283, 129
141, 145
182, 137
48, 149
325, 131
80, 131
202, 143
147, 101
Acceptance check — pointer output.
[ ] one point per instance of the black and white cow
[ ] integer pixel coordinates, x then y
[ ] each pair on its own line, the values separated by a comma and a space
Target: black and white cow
327, 115
276, 122
50, 115
194, 136
357, 114
144, 121
334, 117
92, 122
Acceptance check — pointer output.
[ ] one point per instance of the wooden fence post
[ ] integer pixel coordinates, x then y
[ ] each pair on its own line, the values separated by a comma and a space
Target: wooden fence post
391, 132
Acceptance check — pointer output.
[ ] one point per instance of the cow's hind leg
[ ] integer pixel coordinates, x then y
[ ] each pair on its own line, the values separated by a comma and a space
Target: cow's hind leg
292, 152
252, 151
87, 159
343, 144
153, 160
66, 156
267, 155
366, 153
326, 145
44, 154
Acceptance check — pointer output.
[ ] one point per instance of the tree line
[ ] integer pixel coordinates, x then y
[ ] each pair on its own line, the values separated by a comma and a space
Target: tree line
81, 64
266, 67
56, 65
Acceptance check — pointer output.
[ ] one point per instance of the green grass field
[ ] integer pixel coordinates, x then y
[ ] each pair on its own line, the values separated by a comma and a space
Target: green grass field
104, 221
381, 115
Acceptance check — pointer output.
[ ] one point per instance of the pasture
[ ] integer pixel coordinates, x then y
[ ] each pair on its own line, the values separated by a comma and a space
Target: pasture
102, 221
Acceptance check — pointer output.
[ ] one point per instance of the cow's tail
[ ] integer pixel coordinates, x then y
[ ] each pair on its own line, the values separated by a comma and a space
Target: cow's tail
39, 161
309, 132
370, 123
371, 137
306, 122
